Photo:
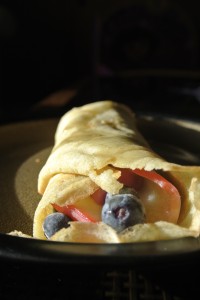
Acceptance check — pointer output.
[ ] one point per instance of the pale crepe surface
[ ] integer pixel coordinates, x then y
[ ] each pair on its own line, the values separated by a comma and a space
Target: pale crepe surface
93, 140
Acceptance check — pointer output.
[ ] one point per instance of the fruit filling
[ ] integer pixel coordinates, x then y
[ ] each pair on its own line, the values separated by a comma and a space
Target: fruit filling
146, 197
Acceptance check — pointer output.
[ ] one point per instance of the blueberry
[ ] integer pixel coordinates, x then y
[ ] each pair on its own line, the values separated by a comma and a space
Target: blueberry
55, 222
123, 210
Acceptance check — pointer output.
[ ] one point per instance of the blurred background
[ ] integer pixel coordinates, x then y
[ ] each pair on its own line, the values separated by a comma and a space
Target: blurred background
146, 53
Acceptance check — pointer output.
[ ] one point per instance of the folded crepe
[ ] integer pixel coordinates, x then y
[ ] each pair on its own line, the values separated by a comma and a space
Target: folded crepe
98, 154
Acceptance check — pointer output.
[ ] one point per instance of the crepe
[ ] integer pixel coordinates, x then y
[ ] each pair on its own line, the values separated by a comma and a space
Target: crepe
93, 144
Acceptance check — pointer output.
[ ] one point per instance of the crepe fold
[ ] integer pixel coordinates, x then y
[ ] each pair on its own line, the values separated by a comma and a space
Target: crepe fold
92, 143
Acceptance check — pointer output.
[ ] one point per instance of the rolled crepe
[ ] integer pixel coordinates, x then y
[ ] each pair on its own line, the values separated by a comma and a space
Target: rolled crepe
92, 144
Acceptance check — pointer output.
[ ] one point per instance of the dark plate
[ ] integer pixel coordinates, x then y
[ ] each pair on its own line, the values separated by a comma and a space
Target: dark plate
24, 148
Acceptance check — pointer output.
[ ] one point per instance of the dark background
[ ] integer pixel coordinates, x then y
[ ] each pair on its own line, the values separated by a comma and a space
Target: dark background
141, 52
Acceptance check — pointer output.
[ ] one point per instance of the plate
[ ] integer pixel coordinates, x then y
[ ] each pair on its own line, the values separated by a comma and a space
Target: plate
25, 147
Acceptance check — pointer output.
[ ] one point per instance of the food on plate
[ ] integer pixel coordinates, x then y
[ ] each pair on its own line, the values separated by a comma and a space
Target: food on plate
102, 183
19, 234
